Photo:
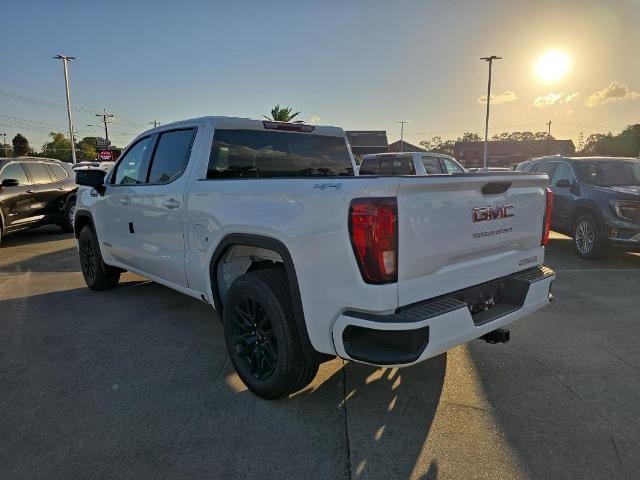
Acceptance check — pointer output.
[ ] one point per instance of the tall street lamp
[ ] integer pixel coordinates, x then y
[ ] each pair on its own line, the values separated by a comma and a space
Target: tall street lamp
486, 123
65, 59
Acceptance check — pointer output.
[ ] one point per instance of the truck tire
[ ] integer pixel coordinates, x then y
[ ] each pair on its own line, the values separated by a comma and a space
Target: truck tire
588, 240
262, 336
97, 275
69, 210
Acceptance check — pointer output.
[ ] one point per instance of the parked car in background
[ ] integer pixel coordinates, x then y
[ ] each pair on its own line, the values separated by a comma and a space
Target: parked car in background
106, 166
35, 192
596, 200
304, 261
409, 163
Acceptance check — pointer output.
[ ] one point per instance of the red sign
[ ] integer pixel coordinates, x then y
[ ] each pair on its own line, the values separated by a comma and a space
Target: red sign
105, 155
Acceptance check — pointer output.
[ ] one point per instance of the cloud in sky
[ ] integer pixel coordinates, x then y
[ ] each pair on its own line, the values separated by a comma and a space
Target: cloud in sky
554, 98
504, 97
314, 119
614, 92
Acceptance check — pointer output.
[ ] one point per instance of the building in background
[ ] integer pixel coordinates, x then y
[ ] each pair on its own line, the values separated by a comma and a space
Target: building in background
367, 141
510, 152
403, 146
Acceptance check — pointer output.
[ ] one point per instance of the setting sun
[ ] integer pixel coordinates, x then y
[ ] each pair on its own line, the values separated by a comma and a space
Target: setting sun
553, 65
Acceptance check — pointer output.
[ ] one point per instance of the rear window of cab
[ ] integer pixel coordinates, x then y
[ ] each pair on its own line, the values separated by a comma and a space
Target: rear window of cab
238, 153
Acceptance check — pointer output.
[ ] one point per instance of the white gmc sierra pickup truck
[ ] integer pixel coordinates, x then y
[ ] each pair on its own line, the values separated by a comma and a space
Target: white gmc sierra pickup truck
302, 259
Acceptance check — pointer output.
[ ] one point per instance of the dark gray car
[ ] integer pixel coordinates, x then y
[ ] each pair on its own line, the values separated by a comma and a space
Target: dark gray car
35, 192
596, 200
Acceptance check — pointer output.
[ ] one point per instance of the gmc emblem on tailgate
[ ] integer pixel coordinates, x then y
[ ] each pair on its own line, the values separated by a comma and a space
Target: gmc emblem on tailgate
486, 214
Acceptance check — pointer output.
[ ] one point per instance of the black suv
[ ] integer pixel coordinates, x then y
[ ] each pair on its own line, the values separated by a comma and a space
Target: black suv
36, 192
596, 200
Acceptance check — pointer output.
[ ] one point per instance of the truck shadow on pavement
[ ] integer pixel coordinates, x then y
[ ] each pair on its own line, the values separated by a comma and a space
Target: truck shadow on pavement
135, 382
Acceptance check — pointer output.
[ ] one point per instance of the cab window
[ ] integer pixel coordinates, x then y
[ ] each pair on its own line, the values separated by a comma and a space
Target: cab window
563, 172
14, 171
131, 168
39, 173
548, 168
451, 166
431, 165
171, 155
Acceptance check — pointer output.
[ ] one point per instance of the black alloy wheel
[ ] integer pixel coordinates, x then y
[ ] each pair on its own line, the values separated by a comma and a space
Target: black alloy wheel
253, 338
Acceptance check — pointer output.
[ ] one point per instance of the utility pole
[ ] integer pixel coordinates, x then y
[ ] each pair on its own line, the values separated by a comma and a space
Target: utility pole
486, 123
65, 59
155, 123
104, 115
402, 135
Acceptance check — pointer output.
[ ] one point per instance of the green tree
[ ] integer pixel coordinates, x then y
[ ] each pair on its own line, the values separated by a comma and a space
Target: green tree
86, 150
6, 150
282, 114
470, 137
624, 144
20, 146
521, 136
438, 145
59, 147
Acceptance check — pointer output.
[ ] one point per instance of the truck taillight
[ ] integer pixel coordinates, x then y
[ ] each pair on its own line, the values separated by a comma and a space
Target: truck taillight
373, 226
547, 217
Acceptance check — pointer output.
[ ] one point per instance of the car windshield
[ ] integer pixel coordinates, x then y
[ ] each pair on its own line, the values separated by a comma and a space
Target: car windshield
609, 173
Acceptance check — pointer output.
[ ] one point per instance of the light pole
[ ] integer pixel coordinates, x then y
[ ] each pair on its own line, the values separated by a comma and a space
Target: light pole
486, 122
66, 59
402, 135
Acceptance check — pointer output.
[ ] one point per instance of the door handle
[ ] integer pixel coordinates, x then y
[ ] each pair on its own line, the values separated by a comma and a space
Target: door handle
125, 200
171, 203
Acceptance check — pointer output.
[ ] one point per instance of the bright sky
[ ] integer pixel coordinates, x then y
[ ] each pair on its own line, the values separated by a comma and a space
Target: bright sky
358, 64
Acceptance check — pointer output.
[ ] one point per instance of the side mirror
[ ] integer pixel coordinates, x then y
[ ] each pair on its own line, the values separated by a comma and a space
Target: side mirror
92, 178
10, 182
563, 183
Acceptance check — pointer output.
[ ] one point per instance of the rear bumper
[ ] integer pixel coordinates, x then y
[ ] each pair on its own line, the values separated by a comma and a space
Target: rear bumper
424, 330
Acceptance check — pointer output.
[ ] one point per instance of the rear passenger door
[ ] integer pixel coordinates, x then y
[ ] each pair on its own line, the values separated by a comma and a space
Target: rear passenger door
158, 208
45, 191
16, 202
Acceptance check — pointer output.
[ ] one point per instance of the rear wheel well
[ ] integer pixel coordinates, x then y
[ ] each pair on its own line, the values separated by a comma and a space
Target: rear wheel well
237, 260
257, 252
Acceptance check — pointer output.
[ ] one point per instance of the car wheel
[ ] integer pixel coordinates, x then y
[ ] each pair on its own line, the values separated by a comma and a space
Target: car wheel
262, 336
587, 238
97, 275
69, 213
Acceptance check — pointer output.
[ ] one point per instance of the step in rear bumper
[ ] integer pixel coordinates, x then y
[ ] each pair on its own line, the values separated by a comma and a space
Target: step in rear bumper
424, 330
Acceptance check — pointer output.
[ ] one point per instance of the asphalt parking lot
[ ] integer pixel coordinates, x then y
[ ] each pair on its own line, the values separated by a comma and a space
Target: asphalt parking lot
135, 383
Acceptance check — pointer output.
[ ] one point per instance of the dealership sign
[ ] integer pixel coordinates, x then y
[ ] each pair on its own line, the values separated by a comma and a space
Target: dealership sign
105, 155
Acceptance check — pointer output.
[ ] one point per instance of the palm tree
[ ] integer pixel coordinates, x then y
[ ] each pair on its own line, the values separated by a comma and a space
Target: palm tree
282, 114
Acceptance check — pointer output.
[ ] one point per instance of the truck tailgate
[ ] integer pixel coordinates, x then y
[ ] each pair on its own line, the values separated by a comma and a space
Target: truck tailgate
458, 231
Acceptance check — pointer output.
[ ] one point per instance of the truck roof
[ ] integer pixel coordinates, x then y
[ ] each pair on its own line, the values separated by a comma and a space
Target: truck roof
248, 124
